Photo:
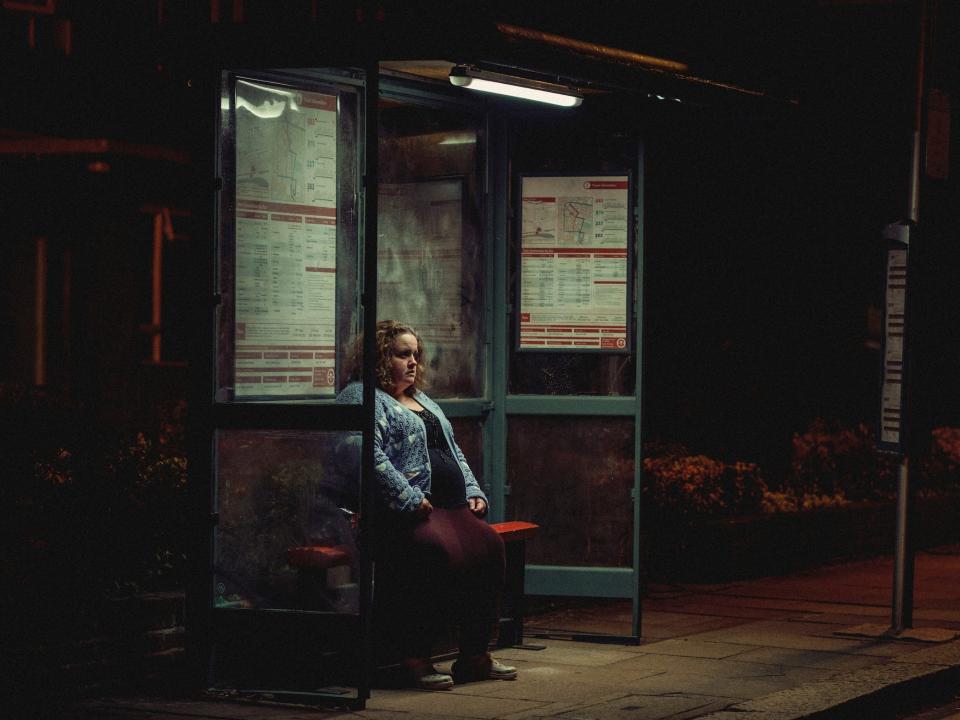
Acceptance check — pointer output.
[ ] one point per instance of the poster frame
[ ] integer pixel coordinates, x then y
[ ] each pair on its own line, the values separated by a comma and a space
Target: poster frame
227, 242
518, 260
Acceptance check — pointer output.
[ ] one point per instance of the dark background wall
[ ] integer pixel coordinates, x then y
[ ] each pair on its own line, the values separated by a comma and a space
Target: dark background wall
763, 219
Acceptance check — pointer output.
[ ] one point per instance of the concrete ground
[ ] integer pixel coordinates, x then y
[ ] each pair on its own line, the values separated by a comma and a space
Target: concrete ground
807, 645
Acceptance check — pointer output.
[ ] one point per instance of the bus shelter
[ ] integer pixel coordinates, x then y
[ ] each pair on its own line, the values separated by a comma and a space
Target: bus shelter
356, 186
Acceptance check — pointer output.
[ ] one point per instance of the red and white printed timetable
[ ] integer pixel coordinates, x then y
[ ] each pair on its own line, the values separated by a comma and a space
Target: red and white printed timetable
574, 263
286, 240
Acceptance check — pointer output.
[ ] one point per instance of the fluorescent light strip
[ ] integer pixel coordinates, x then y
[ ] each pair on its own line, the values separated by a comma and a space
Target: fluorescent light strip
499, 88
517, 87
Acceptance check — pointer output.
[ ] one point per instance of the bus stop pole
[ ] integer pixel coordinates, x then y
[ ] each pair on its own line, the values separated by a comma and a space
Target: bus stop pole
903, 554
903, 567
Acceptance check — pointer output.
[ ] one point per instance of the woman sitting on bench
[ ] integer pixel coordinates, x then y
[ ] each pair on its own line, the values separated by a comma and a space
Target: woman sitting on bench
438, 564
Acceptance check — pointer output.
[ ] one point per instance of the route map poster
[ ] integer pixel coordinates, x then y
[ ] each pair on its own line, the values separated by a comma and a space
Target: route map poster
574, 288
286, 240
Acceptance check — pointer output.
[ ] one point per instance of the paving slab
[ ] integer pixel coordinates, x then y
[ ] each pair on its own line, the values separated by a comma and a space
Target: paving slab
644, 707
738, 690
823, 659
850, 616
947, 654
551, 684
568, 652
448, 704
918, 634
821, 696
567, 625
679, 620
557, 709
728, 668
732, 609
764, 649
692, 647
753, 715
787, 636
697, 624
146, 709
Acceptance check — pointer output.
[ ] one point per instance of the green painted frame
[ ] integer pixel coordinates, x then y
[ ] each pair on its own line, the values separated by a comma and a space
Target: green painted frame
494, 408
499, 404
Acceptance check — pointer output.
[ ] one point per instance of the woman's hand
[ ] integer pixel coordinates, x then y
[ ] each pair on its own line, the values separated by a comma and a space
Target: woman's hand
425, 508
478, 506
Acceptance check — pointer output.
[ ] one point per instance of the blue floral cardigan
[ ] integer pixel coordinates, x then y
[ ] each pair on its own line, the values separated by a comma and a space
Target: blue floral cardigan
400, 456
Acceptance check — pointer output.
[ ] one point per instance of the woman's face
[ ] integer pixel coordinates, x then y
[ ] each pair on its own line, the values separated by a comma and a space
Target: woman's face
403, 364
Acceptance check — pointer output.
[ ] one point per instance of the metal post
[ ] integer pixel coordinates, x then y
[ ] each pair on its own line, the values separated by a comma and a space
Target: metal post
903, 558
497, 420
902, 614
369, 302
637, 613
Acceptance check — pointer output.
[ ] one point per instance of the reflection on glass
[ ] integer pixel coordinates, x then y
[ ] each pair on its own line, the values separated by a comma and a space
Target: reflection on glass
573, 477
429, 257
288, 239
285, 537
571, 374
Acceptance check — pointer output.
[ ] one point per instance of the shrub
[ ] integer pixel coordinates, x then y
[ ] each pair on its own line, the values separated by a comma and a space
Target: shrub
832, 462
940, 468
88, 512
679, 483
142, 495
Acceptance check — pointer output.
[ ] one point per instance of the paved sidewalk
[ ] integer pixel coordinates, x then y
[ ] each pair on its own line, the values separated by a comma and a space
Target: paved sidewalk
776, 648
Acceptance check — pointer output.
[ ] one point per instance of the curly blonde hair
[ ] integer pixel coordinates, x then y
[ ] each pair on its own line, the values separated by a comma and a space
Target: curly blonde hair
387, 332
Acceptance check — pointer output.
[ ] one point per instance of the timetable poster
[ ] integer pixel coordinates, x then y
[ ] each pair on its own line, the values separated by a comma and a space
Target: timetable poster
891, 408
286, 241
574, 263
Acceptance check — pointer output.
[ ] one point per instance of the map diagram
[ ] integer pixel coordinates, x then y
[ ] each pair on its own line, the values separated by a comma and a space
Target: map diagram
286, 153
558, 221
539, 219
270, 157
576, 220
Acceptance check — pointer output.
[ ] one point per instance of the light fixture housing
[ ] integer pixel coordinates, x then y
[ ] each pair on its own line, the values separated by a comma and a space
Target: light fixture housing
500, 84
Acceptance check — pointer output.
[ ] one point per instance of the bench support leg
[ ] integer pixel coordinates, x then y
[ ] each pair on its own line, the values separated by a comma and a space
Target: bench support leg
512, 603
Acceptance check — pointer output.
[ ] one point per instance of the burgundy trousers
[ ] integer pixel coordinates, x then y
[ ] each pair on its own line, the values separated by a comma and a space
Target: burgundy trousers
433, 573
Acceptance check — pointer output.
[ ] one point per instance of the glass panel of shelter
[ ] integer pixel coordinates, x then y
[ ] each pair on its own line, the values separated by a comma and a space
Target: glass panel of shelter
286, 542
288, 265
285, 606
286, 562
575, 476
430, 244
281, 493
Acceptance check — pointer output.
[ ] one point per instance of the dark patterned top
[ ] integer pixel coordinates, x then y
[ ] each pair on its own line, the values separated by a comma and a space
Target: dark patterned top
448, 488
